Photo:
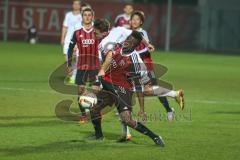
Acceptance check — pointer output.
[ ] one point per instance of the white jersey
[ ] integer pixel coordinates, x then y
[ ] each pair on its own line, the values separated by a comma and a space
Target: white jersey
144, 34
72, 22
142, 48
116, 35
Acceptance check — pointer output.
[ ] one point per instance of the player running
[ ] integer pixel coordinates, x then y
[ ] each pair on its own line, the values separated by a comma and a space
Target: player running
118, 35
137, 20
88, 59
118, 90
109, 39
71, 20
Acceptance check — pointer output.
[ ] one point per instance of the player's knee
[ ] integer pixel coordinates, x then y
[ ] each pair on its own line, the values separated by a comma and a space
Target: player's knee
94, 113
148, 90
81, 90
95, 89
128, 121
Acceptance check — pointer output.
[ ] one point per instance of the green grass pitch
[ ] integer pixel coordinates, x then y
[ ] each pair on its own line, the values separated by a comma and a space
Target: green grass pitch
208, 128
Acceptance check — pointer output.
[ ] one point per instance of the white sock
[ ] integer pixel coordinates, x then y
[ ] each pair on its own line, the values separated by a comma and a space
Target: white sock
128, 131
74, 73
172, 94
125, 130
163, 92
75, 66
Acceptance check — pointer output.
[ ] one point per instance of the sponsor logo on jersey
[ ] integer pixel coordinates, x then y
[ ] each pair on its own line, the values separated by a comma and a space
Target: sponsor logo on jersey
88, 41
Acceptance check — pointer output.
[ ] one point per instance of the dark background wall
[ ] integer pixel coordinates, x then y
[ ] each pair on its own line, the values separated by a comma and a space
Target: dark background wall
47, 16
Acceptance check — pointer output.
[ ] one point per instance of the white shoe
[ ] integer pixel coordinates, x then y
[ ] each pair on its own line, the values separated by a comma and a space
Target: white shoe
170, 115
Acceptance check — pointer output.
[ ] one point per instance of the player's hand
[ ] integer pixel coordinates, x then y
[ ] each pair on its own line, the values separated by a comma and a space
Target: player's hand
75, 50
69, 70
101, 73
142, 115
62, 42
151, 48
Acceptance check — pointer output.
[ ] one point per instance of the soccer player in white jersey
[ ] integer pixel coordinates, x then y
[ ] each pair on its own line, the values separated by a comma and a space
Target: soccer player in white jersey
137, 20
72, 22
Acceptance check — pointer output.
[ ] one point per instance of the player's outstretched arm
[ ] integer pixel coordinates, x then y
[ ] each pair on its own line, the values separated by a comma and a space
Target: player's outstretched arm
106, 64
149, 46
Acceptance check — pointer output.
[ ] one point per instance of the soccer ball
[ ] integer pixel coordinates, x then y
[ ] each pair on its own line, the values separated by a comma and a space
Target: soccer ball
88, 100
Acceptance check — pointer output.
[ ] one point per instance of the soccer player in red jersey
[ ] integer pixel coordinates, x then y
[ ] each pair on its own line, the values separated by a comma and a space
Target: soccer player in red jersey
88, 59
109, 39
123, 20
117, 89
136, 60
137, 20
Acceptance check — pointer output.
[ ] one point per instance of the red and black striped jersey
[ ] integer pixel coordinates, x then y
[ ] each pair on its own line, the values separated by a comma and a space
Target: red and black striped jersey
126, 69
87, 44
118, 70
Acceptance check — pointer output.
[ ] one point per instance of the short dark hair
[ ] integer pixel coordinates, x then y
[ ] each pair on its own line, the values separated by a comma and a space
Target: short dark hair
86, 5
128, 4
77, 1
137, 35
102, 24
140, 14
88, 10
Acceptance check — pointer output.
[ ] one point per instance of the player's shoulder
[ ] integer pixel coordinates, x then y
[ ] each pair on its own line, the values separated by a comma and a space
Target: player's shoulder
144, 33
78, 31
78, 26
141, 30
120, 16
68, 14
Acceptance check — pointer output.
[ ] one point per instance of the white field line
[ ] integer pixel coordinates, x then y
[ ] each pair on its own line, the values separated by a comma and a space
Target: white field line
53, 92
26, 90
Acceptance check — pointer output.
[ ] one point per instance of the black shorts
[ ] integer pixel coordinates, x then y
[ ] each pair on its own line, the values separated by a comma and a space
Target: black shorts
84, 76
110, 95
152, 76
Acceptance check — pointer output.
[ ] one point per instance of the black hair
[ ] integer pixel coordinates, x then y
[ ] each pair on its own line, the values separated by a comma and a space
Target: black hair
102, 24
86, 5
128, 4
140, 14
77, 1
137, 35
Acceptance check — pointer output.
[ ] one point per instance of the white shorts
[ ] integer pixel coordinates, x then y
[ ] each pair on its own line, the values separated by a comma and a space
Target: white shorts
65, 48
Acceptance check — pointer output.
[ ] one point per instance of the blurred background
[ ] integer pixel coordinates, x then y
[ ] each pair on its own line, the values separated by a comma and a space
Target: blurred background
191, 25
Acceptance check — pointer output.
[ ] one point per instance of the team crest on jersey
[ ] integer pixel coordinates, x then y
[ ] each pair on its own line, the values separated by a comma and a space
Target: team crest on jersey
122, 63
